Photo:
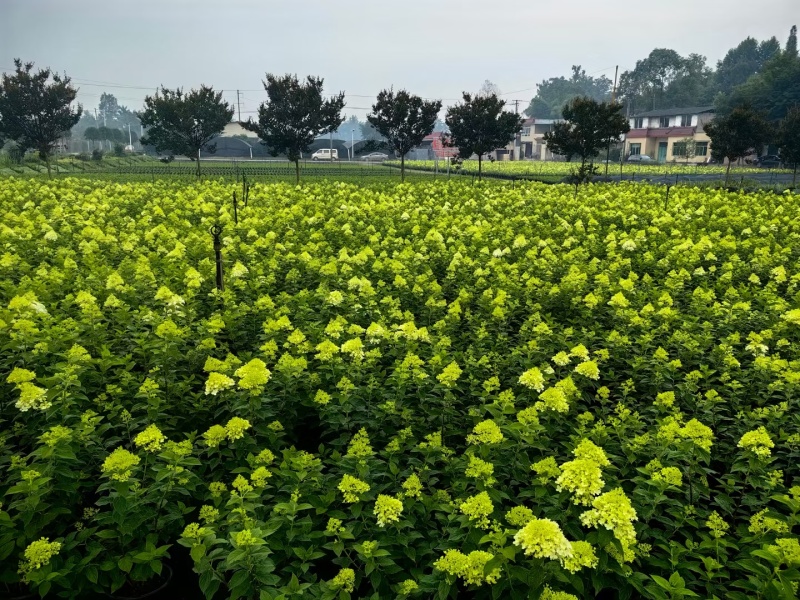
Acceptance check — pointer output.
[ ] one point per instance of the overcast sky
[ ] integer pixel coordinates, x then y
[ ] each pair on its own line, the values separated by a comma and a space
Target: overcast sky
433, 48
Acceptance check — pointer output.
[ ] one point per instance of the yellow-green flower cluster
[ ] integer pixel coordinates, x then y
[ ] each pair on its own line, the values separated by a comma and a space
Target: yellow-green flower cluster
480, 469
449, 375
193, 531
546, 469
697, 433
788, 549
469, 567
550, 594
151, 439
119, 464
334, 526
30, 395
669, 475
407, 587
758, 442
583, 478
532, 379
345, 580
387, 509
412, 487
583, 557
613, 511
218, 382
245, 539
38, 554
760, 524
519, 516
235, 428
543, 538
485, 432
352, 488
359, 446
717, 525
209, 514
588, 369
55, 435
252, 376
477, 509
259, 477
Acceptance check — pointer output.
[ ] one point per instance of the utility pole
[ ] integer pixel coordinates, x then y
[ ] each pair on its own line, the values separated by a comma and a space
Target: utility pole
613, 98
239, 106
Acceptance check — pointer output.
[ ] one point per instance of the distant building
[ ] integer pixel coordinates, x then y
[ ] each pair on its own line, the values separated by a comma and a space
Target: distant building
431, 148
235, 128
661, 134
530, 143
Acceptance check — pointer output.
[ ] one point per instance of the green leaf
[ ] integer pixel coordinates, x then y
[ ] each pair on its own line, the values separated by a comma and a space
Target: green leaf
125, 563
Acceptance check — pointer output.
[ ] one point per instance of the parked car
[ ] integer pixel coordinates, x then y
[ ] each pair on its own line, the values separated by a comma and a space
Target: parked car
642, 158
769, 160
375, 156
325, 154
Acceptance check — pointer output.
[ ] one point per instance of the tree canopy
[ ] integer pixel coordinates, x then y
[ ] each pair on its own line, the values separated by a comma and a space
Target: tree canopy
737, 134
588, 126
36, 108
404, 120
552, 94
789, 140
294, 115
479, 125
185, 124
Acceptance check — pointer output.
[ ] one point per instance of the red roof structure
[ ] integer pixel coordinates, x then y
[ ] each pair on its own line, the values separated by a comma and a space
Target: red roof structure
435, 139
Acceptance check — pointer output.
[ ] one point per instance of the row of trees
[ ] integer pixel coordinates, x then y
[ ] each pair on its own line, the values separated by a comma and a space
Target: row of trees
745, 130
36, 110
296, 113
757, 73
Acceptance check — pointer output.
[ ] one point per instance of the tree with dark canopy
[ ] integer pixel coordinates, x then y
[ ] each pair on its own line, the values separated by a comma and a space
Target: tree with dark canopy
294, 115
737, 134
185, 124
36, 108
479, 125
789, 140
404, 120
588, 126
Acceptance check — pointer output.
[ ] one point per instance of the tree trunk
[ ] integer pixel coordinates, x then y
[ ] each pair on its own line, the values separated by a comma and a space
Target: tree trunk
198, 163
727, 171
403, 168
480, 177
297, 171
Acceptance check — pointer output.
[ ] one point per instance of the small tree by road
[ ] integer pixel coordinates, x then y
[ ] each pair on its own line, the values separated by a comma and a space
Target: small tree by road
588, 126
294, 115
685, 148
479, 125
36, 108
737, 134
184, 124
789, 140
404, 120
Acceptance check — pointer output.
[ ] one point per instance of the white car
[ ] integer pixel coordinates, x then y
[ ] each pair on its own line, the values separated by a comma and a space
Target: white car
375, 156
325, 154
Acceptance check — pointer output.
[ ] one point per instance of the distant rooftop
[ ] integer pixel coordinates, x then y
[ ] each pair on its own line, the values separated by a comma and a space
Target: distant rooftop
668, 112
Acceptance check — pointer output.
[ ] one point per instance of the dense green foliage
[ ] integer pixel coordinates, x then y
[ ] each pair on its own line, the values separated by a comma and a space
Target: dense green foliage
425, 390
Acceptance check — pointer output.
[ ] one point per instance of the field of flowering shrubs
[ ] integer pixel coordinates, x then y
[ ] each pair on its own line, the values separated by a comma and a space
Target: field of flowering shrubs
429, 390
523, 168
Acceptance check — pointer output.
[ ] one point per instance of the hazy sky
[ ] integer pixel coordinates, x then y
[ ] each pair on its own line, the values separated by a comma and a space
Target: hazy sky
432, 48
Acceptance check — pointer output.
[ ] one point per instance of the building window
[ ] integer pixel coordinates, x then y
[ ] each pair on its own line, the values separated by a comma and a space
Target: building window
701, 149
638, 123
679, 149
663, 122
526, 131
686, 120
636, 149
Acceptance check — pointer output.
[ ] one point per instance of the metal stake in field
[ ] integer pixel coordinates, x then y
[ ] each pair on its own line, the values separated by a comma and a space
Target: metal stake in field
216, 231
